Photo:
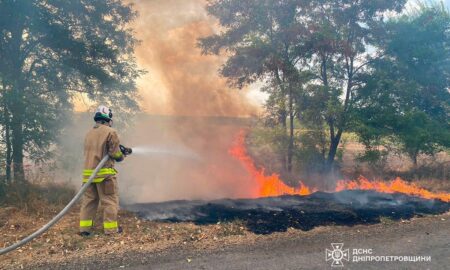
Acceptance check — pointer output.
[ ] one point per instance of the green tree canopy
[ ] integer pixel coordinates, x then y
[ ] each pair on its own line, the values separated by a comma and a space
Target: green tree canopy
406, 96
314, 51
265, 41
52, 50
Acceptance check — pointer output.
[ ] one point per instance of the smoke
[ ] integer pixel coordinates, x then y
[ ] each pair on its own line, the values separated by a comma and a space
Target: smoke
187, 158
181, 81
190, 119
184, 150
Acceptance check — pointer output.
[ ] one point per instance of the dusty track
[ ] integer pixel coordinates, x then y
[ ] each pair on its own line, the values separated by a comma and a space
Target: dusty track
427, 236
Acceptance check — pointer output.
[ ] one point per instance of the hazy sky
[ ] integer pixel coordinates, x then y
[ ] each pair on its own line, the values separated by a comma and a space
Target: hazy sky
447, 2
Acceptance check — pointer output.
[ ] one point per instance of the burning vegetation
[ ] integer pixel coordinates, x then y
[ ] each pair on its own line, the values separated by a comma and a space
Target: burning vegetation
271, 185
396, 186
265, 185
274, 206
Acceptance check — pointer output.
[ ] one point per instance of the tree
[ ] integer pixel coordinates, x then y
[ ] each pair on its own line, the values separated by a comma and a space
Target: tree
264, 41
52, 51
342, 33
311, 49
406, 96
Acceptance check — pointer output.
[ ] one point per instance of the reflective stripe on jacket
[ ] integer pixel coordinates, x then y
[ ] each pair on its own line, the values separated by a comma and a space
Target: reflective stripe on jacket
101, 140
101, 175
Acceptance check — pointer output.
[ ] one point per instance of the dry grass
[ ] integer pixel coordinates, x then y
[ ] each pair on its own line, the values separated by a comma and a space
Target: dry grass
432, 173
37, 198
435, 185
62, 243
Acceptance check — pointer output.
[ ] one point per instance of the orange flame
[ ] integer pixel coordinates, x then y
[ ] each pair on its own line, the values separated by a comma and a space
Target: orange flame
272, 185
397, 185
266, 185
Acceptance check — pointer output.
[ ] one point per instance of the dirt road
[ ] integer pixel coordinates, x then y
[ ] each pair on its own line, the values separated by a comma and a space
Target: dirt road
423, 238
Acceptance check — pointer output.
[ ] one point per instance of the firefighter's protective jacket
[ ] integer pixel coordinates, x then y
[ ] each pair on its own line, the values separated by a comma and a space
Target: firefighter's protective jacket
100, 141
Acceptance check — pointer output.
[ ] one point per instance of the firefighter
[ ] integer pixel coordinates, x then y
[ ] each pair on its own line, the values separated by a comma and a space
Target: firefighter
101, 140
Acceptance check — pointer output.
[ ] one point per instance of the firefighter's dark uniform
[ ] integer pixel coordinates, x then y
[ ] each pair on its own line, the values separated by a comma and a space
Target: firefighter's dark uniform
100, 141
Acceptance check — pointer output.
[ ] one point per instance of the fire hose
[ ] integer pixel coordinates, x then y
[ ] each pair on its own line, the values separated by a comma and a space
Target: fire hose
60, 214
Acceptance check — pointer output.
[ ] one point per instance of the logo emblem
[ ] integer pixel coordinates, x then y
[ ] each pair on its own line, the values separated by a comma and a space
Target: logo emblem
337, 254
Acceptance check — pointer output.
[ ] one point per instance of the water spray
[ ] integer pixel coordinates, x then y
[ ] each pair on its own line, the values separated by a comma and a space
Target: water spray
153, 150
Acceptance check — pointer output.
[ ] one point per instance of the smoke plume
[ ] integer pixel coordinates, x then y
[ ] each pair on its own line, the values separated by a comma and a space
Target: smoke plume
181, 81
191, 115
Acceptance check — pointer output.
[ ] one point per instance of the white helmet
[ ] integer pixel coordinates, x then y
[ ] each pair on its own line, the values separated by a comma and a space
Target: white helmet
103, 113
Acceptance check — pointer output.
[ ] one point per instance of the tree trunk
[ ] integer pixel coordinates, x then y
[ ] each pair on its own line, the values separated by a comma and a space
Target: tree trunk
7, 135
334, 143
414, 159
291, 132
283, 119
17, 145
8, 146
287, 159
17, 112
16, 100
332, 153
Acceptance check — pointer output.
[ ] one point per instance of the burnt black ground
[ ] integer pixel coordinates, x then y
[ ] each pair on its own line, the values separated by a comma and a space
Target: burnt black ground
277, 214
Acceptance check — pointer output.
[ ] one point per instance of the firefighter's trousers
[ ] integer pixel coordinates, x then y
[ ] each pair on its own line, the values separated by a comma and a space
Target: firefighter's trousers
105, 193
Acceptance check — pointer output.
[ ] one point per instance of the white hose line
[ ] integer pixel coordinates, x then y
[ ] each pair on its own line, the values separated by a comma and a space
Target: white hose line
60, 214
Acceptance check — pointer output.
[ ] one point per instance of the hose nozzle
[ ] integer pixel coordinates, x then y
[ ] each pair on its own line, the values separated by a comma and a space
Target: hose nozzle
125, 150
